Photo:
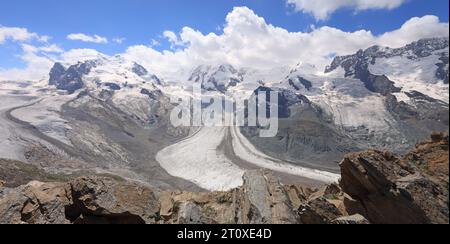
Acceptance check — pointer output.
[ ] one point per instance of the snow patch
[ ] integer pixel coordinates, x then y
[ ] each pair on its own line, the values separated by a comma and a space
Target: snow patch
198, 160
413, 75
245, 150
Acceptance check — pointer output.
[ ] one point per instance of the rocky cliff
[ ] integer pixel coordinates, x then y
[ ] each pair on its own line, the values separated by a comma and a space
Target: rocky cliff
376, 187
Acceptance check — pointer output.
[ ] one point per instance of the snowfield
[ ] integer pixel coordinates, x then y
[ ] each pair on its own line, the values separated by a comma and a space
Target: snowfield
198, 160
45, 116
11, 144
413, 75
245, 150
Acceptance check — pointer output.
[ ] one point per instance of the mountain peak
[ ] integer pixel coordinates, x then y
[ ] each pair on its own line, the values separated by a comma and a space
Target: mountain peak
216, 77
112, 72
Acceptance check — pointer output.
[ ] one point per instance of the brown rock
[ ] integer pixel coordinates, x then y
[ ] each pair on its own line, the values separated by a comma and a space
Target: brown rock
356, 219
392, 190
318, 211
113, 202
264, 200
35, 203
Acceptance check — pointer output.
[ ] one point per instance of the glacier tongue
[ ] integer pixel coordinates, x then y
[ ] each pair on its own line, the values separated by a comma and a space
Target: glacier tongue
197, 159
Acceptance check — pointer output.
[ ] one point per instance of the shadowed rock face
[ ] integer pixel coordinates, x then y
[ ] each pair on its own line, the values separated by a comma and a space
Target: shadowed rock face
443, 72
70, 79
400, 190
105, 201
139, 70
298, 82
311, 129
357, 65
306, 134
375, 186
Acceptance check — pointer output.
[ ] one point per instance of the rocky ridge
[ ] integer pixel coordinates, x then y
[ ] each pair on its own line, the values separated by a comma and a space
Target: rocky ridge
357, 65
376, 187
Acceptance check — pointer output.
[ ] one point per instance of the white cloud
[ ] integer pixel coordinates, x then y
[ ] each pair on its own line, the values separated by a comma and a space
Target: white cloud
248, 41
39, 61
80, 55
322, 9
154, 43
19, 35
414, 29
37, 65
53, 48
87, 38
173, 39
119, 40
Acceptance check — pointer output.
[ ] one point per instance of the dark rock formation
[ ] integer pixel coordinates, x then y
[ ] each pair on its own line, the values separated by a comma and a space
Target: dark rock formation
112, 86
397, 190
357, 65
443, 72
139, 70
299, 81
70, 79
306, 133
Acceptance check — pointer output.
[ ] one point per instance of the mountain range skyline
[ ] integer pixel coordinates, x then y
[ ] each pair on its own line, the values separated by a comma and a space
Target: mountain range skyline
244, 39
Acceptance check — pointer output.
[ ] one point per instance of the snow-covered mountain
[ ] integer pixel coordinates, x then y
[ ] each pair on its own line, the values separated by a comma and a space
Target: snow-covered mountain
110, 114
421, 66
113, 73
377, 98
217, 78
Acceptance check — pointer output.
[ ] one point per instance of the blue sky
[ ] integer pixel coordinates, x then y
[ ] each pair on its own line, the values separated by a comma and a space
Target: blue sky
141, 21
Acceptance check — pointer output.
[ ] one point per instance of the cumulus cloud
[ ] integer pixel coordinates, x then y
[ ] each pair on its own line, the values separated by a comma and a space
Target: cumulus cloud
87, 38
53, 48
173, 39
119, 40
80, 55
249, 41
39, 61
37, 65
414, 29
322, 9
19, 35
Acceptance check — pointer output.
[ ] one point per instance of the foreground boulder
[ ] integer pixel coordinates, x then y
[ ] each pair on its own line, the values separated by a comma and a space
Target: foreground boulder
98, 200
394, 190
34, 203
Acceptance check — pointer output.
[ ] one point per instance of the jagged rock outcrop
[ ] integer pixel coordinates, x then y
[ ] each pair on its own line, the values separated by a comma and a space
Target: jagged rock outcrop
264, 200
376, 187
139, 70
306, 132
70, 79
357, 65
34, 203
96, 200
107, 201
400, 190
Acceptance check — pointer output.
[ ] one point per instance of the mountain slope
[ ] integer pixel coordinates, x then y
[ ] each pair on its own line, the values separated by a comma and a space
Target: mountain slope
360, 105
